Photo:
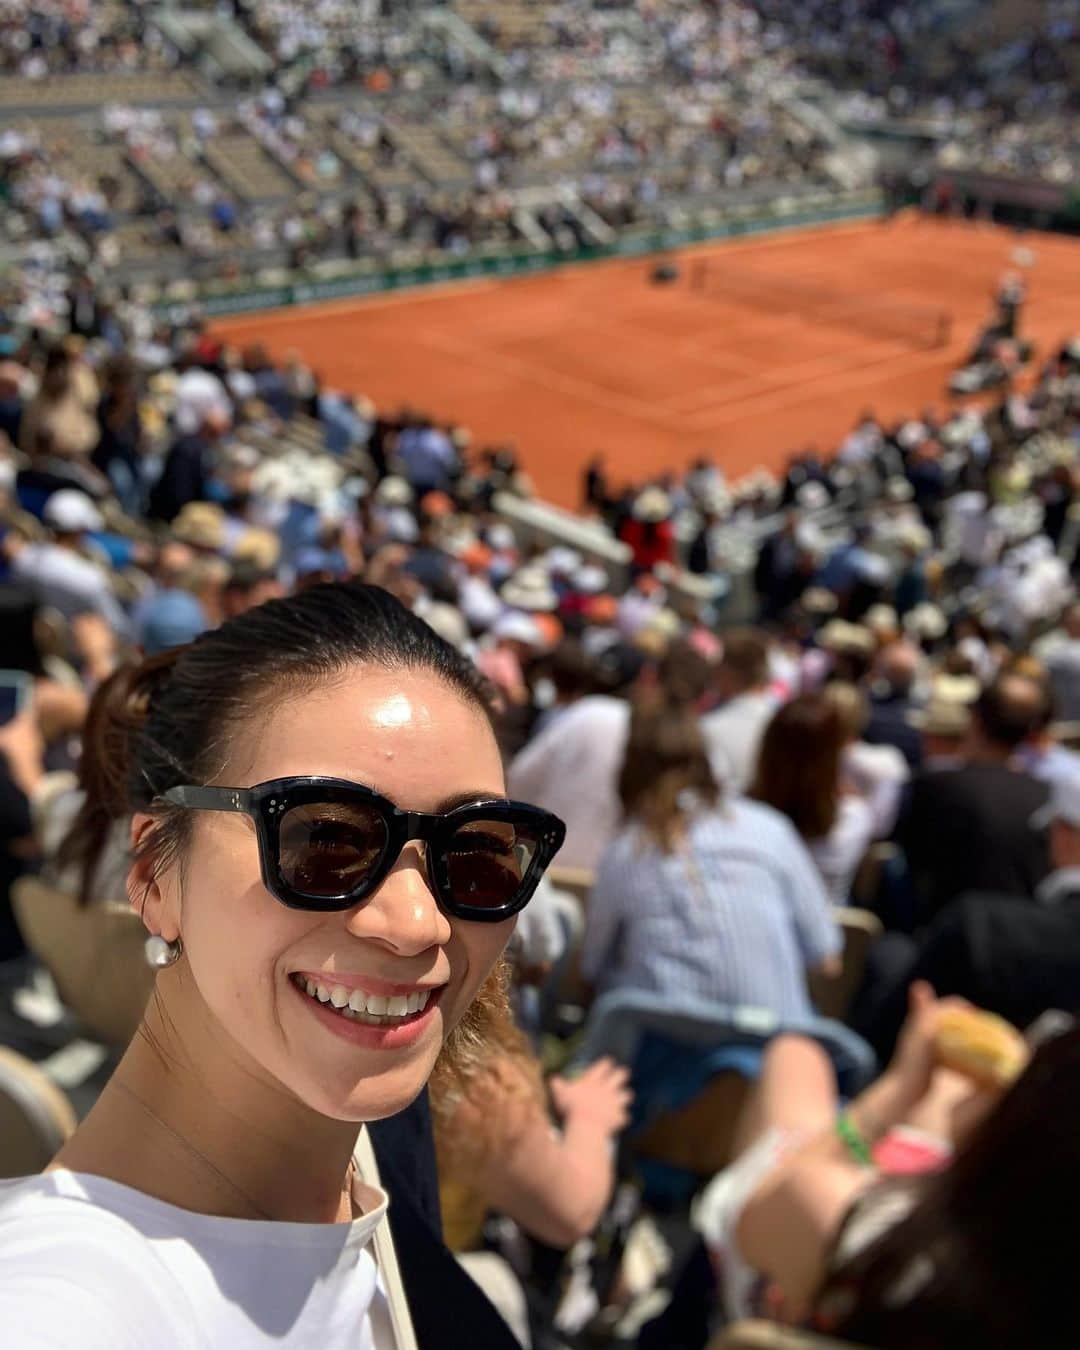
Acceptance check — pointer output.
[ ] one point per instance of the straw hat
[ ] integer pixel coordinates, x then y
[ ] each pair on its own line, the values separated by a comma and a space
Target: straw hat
926, 621
845, 638
200, 524
882, 619
530, 589
948, 712
260, 547
818, 600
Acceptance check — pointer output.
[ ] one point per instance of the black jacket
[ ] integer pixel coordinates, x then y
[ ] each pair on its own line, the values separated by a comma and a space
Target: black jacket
969, 829
449, 1311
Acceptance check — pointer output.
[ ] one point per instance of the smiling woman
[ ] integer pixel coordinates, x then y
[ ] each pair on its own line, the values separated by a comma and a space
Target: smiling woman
324, 856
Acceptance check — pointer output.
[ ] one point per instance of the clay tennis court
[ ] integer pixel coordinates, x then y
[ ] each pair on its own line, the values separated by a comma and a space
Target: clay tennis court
782, 342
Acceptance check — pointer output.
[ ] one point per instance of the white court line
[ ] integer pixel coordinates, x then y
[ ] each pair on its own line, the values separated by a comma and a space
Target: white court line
780, 399
544, 378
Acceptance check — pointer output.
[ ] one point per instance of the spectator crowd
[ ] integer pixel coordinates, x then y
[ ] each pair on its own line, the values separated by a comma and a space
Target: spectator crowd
814, 735
855, 683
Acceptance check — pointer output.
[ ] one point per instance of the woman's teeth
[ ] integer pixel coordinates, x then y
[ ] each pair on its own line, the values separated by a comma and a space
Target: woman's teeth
375, 1009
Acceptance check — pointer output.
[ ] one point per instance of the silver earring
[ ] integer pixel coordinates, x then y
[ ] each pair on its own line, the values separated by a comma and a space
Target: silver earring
161, 953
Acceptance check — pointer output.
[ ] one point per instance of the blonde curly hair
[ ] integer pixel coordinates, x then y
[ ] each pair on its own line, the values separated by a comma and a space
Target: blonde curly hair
486, 1063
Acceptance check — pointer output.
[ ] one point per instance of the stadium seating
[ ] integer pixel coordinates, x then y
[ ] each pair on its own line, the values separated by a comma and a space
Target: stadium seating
35, 1116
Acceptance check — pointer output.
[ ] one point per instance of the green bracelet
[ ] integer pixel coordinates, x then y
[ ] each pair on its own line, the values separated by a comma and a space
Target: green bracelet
853, 1141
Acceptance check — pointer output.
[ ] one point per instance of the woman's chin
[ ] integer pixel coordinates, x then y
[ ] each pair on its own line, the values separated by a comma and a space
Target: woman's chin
384, 1092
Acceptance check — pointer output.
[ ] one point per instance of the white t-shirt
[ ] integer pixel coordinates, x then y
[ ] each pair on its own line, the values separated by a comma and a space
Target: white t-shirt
733, 736
86, 1261
572, 768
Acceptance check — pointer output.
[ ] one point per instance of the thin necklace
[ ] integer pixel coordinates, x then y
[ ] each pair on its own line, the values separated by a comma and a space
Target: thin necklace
197, 1153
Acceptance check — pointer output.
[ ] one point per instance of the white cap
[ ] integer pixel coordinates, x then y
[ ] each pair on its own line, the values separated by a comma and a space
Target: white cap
514, 626
1064, 803
70, 511
500, 537
590, 580
563, 561
812, 496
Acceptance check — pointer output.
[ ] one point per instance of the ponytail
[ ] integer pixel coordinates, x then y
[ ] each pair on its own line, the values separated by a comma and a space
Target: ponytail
116, 718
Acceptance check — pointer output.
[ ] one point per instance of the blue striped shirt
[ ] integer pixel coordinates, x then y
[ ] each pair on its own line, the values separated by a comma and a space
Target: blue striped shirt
736, 915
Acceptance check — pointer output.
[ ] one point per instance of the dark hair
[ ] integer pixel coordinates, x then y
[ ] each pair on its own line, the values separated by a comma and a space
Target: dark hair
684, 674
169, 720
746, 657
1010, 710
996, 1229
665, 757
798, 769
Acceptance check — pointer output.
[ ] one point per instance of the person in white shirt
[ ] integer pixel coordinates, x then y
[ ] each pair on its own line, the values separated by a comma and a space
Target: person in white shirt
65, 578
324, 856
572, 768
733, 733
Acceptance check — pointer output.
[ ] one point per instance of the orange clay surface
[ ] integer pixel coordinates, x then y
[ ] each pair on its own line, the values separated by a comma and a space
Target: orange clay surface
595, 358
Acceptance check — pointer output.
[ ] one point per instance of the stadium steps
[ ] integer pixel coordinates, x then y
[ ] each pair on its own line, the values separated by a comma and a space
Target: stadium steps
247, 168
434, 159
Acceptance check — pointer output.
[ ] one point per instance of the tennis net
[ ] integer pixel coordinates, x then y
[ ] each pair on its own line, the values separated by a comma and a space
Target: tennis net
923, 326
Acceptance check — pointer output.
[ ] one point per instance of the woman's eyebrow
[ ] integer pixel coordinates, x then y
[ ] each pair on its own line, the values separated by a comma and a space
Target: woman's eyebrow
467, 799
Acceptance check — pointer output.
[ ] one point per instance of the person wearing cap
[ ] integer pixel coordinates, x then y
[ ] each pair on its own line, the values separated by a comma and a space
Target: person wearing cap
201, 526
944, 724
648, 532
968, 828
1017, 957
530, 589
514, 642
65, 578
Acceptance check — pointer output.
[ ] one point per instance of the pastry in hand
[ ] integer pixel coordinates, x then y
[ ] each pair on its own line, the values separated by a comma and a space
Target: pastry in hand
981, 1045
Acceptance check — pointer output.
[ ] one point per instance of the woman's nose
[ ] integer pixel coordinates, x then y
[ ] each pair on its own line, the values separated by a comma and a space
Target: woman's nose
403, 914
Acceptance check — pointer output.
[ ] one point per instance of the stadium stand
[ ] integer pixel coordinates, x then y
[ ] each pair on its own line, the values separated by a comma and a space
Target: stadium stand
902, 605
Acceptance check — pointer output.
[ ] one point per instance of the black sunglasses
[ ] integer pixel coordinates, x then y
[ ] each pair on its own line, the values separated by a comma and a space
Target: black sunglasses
325, 844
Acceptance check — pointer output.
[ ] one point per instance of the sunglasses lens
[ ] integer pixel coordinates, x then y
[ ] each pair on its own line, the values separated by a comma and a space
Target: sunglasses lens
487, 861
330, 849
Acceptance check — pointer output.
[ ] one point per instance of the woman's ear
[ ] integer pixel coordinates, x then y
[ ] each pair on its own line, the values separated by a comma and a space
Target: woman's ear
149, 892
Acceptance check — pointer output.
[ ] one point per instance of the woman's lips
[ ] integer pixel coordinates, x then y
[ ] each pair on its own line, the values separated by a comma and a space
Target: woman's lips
382, 1033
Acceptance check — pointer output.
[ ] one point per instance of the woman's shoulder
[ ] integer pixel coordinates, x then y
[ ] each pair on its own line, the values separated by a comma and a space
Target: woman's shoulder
68, 1262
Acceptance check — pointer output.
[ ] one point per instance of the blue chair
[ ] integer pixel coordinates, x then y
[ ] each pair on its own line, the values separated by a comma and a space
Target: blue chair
680, 1055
